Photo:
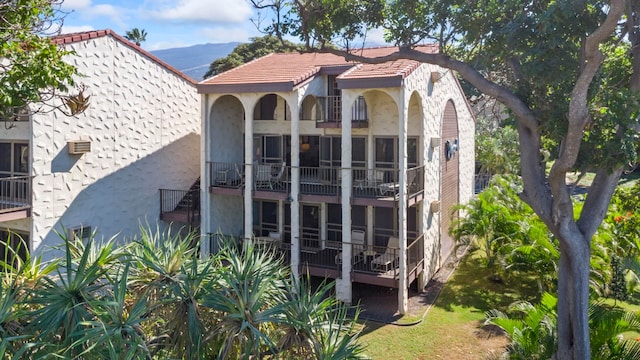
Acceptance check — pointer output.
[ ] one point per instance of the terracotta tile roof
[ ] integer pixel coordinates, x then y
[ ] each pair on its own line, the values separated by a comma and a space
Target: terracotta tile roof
94, 34
286, 71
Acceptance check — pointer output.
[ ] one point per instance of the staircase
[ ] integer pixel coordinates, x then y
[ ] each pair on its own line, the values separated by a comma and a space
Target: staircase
181, 205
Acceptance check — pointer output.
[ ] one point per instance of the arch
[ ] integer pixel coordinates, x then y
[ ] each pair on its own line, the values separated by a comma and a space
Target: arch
271, 107
449, 177
415, 124
310, 108
227, 113
381, 108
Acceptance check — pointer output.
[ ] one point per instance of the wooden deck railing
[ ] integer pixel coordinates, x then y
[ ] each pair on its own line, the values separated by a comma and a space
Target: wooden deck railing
15, 193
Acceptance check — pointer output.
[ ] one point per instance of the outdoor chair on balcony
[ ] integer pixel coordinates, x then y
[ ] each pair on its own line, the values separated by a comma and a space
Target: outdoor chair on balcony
273, 241
276, 179
389, 258
237, 175
357, 248
262, 176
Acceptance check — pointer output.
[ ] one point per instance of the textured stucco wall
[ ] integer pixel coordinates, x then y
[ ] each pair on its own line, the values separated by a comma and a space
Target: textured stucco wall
437, 96
143, 123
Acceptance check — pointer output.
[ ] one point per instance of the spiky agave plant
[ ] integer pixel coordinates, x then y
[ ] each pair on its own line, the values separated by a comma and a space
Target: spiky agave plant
168, 272
116, 331
248, 293
316, 325
61, 305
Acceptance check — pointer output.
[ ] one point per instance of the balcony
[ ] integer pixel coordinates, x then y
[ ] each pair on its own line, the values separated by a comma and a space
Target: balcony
180, 206
377, 187
15, 198
366, 266
329, 112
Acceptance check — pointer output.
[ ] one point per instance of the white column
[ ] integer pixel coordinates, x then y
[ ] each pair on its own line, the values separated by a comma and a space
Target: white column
205, 196
343, 284
249, 149
295, 190
403, 291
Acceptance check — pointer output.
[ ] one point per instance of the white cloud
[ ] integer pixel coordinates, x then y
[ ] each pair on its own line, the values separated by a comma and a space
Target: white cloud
75, 4
227, 11
225, 34
68, 29
105, 10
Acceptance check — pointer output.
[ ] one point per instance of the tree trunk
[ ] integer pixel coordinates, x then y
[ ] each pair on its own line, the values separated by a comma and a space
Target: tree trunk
573, 297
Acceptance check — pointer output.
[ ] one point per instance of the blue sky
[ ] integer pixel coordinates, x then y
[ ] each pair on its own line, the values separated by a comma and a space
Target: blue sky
168, 23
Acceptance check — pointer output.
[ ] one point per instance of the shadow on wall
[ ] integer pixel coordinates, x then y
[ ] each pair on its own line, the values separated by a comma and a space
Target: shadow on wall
116, 204
64, 162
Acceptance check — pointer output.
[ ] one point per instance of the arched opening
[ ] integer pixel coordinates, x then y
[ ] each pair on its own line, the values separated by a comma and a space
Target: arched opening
271, 107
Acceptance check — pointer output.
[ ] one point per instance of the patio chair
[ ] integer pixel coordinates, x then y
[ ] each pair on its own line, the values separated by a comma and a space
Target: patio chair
273, 241
277, 178
412, 185
262, 176
377, 179
357, 239
238, 179
389, 258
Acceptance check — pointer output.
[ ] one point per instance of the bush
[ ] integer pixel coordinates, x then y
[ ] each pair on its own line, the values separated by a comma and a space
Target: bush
156, 298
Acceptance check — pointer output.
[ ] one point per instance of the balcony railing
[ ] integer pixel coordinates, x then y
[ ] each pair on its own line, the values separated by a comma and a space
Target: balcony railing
180, 205
15, 193
320, 181
226, 175
329, 110
379, 183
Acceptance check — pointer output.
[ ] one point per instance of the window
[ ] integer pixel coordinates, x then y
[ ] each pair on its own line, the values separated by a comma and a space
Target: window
265, 217
386, 224
81, 232
386, 152
14, 159
268, 149
17, 241
334, 220
331, 151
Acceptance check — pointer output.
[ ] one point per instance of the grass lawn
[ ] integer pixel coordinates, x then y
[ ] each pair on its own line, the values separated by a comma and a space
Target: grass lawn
453, 327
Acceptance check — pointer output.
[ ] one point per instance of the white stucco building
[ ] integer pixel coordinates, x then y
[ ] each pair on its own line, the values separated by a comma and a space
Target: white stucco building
349, 169
103, 169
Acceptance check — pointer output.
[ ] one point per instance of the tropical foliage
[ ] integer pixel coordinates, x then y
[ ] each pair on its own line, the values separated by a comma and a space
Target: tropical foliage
136, 35
510, 237
533, 330
32, 70
157, 298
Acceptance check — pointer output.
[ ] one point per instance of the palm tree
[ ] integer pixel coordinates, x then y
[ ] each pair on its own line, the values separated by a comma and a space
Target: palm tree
136, 35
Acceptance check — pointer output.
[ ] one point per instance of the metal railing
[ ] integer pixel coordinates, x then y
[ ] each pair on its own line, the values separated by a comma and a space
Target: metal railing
325, 181
181, 201
329, 109
15, 193
226, 175
320, 181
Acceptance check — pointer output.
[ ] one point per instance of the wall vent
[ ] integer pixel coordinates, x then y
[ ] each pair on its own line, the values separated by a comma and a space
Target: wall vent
77, 147
82, 233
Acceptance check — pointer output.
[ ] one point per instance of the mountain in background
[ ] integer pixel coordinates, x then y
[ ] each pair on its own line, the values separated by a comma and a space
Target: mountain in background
194, 60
